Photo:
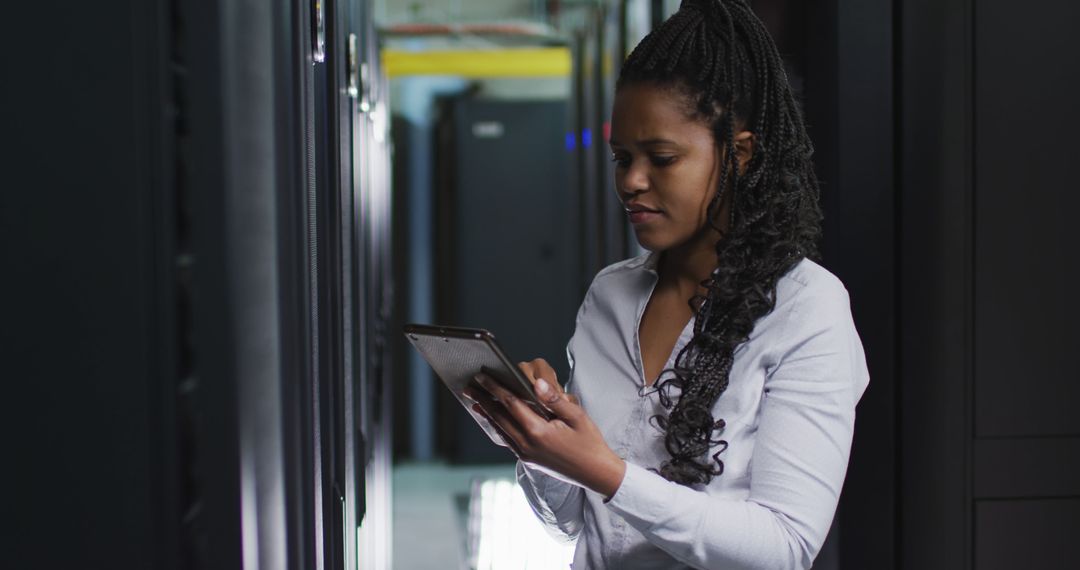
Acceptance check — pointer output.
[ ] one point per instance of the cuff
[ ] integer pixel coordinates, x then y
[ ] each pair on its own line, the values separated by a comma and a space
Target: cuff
642, 497
541, 477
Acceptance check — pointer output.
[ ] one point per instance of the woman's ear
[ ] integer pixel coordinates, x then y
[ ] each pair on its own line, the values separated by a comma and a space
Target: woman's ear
744, 149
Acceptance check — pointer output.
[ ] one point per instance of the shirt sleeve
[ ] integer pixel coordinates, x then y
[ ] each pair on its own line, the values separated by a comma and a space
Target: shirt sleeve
798, 465
558, 503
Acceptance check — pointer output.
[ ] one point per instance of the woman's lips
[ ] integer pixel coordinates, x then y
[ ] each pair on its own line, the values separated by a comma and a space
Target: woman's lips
638, 217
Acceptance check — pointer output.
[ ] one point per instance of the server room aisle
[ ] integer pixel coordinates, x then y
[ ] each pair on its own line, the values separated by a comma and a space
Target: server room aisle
460, 517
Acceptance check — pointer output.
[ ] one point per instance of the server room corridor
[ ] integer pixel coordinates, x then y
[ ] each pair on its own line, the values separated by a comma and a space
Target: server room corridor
220, 219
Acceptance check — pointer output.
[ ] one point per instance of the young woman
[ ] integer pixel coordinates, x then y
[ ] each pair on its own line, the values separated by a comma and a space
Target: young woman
714, 380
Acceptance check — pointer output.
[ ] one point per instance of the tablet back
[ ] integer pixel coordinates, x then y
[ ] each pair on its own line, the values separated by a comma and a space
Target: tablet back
457, 355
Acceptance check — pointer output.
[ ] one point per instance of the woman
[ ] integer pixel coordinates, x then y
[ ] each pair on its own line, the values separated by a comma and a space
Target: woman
713, 381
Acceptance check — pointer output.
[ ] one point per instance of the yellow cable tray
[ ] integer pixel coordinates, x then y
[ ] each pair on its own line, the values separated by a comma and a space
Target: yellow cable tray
517, 62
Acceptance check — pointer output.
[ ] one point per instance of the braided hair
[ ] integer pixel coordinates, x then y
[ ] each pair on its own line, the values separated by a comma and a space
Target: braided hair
718, 56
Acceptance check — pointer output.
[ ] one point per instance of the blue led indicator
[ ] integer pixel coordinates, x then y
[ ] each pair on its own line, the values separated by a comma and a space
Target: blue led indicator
570, 141
586, 138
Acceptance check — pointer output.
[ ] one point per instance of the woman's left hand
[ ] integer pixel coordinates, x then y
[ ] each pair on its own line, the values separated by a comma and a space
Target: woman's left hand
570, 443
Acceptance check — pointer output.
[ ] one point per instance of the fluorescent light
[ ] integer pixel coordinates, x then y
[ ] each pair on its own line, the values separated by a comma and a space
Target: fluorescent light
504, 532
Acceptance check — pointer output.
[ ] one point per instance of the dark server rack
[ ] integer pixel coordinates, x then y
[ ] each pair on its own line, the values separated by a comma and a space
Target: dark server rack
201, 235
597, 33
488, 260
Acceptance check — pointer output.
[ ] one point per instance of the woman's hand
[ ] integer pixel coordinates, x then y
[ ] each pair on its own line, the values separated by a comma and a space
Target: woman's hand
569, 444
540, 369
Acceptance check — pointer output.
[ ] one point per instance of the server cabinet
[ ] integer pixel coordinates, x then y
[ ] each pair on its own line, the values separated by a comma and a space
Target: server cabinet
987, 381
187, 331
91, 346
509, 257
597, 33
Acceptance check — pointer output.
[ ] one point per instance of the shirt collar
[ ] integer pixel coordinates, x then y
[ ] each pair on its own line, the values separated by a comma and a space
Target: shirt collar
649, 261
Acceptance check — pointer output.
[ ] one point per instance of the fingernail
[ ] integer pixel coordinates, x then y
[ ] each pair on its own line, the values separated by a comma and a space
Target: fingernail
542, 386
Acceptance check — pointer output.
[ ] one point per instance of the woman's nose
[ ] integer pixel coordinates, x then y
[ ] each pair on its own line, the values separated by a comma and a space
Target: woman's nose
634, 179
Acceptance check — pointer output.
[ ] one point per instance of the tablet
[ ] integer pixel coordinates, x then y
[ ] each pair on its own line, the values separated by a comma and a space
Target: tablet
457, 354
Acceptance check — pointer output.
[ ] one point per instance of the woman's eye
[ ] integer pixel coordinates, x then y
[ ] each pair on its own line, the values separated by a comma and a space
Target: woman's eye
662, 160
620, 160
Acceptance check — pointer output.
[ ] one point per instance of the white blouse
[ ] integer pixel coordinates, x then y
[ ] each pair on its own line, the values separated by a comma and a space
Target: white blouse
789, 410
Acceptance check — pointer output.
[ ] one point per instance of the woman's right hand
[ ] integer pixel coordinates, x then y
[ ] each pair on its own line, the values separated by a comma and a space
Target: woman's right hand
540, 369
568, 446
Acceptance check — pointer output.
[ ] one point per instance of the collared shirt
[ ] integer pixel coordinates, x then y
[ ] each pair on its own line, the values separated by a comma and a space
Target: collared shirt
789, 410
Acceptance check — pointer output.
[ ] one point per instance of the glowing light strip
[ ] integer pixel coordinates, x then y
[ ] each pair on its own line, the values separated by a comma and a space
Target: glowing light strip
518, 62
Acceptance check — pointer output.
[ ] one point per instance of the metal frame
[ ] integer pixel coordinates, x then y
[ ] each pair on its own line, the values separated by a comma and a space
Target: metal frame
935, 198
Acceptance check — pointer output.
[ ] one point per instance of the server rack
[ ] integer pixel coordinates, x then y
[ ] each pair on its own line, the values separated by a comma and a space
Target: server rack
200, 358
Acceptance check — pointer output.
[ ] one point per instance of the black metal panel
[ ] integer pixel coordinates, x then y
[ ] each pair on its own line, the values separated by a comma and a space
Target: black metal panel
935, 197
1027, 467
1025, 212
341, 23
86, 242
984, 328
1027, 534
292, 54
239, 174
333, 213
858, 200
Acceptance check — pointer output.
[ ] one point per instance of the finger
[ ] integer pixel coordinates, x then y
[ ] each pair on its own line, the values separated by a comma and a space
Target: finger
539, 368
491, 403
519, 410
561, 404
544, 368
522, 411
496, 413
511, 444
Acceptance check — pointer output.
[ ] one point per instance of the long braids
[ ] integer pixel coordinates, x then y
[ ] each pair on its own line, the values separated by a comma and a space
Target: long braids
719, 55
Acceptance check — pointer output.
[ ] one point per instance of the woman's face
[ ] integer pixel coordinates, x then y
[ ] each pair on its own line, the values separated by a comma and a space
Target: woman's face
667, 166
